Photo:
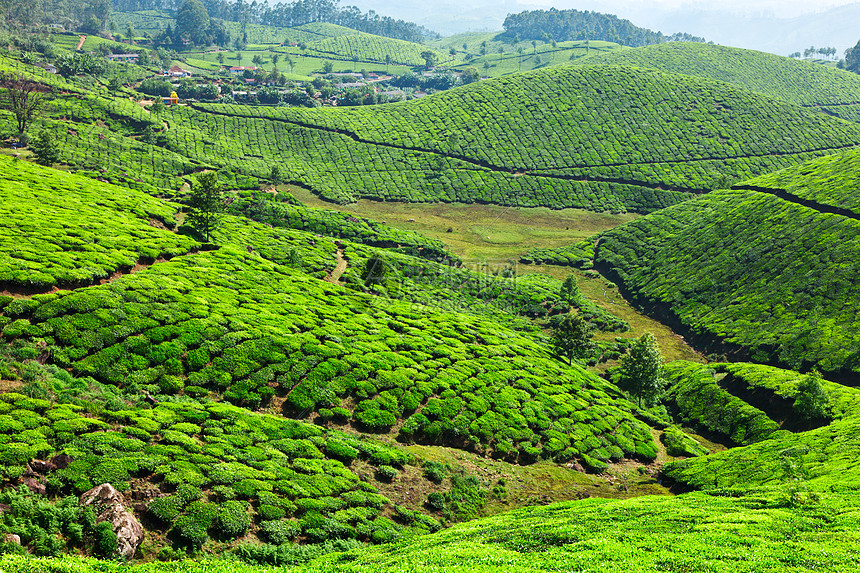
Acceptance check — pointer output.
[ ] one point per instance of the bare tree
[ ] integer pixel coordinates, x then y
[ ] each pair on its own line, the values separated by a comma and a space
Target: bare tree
23, 97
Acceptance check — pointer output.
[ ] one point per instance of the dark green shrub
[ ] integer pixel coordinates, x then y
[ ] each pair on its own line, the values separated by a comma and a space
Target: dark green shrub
435, 472
281, 531
233, 519
386, 473
436, 501
105, 540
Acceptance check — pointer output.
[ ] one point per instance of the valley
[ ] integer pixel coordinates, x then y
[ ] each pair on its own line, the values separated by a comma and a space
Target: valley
581, 301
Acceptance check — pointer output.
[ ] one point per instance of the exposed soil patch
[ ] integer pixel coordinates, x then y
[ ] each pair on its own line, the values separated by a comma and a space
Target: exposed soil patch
334, 276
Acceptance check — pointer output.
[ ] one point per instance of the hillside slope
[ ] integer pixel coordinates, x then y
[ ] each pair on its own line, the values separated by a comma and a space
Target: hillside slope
796, 81
771, 276
176, 382
594, 137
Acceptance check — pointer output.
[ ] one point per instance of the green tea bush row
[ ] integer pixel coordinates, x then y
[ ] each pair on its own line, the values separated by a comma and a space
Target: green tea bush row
579, 255
698, 398
749, 269
236, 325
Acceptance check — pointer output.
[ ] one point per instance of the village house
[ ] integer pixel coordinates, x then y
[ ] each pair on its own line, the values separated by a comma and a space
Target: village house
236, 70
177, 72
123, 57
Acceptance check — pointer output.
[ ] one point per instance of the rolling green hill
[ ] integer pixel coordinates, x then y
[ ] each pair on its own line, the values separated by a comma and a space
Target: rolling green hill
768, 275
334, 42
513, 134
643, 140
802, 82
180, 378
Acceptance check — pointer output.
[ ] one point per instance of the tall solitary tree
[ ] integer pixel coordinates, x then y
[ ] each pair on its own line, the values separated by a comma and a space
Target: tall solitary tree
571, 337
46, 147
192, 22
24, 98
642, 369
429, 59
207, 204
569, 291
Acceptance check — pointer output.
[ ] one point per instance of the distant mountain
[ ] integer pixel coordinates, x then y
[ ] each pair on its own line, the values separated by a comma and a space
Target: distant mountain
767, 32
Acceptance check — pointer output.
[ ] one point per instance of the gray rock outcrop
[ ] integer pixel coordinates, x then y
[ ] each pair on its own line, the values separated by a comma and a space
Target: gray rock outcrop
109, 505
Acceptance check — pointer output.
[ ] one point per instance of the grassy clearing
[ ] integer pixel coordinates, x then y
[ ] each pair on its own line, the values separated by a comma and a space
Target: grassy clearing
529, 227
480, 233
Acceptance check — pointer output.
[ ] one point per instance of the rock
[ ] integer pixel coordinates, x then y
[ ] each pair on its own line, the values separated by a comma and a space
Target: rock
42, 467
110, 506
11, 538
61, 461
35, 485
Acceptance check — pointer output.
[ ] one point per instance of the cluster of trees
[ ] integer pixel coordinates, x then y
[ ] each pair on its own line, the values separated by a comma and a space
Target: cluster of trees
852, 59
812, 50
87, 15
562, 25
296, 13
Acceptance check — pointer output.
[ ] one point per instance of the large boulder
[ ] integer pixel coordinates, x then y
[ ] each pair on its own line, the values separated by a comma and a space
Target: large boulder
109, 505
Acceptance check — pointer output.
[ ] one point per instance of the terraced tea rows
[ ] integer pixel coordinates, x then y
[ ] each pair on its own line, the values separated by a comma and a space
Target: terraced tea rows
50, 238
187, 327
366, 48
818, 460
802, 82
488, 132
749, 272
830, 181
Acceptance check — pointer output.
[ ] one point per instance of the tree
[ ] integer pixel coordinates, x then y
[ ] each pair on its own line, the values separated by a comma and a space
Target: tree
192, 22
852, 59
642, 369
811, 401
327, 66
206, 203
275, 175
24, 98
569, 292
571, 337
374, 272
220, 57
470, 75
46, 147
387, 62
157, 105
429, 58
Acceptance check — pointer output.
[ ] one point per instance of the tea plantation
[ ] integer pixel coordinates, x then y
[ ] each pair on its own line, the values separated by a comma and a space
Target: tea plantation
507, 140
748, 272
311, 391
802, 82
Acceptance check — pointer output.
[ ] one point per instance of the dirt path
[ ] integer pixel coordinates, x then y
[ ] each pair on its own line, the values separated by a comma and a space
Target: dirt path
334, 276
81, 43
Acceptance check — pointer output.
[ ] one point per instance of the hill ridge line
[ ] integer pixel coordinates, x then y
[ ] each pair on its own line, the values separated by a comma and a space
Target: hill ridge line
792, 198
533, 173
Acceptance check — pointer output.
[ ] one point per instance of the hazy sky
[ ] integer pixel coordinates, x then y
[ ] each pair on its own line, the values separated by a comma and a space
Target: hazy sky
779, 8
